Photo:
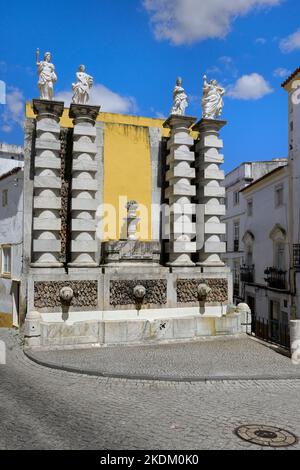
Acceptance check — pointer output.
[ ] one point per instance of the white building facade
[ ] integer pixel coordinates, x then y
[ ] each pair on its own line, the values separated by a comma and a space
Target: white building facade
11, 233
237, 209
11, 244
263, 232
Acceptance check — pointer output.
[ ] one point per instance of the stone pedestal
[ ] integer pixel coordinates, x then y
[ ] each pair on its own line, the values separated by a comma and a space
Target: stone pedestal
46, 245
84, 186
131, 252
181, 190
210, 193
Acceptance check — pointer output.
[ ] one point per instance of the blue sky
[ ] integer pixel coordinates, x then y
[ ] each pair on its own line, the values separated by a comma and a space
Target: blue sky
135, 49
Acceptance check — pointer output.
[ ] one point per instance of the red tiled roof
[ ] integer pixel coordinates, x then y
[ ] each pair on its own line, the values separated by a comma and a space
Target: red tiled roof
11, 172
293, 75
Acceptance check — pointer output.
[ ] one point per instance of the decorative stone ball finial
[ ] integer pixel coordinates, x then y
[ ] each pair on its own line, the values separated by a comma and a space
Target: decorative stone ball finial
203, 292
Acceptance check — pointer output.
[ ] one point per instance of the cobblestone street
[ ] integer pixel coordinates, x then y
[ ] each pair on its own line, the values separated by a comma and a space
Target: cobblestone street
43, 408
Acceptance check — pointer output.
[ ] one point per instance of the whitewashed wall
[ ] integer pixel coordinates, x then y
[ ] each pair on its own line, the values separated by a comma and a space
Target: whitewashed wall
10, 157
11, 232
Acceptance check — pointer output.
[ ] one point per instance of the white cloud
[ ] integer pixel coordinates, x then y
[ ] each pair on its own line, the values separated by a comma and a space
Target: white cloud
261, 41
281, 72
108, 100
6, 128
291, 43
213, 70
13, 112
160, 115
189, 21
250, 87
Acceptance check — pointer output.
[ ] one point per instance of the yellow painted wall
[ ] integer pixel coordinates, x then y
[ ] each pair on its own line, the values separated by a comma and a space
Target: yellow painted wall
127, 168
6, 320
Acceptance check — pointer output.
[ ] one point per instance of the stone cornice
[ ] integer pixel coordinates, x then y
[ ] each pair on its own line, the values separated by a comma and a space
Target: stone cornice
84, 111
175, 119
47, 107
209, 124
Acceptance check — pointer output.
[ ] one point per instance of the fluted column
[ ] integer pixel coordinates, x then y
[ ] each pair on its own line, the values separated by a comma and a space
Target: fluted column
210, 193
84, 186
181, 190
46, 246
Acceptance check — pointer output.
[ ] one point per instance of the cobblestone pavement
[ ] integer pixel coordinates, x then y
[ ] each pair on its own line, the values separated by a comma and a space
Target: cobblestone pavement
222, 358
42, 408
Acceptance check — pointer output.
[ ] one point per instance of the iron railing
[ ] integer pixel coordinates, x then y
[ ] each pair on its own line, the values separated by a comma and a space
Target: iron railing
247, 273
276, 278
271, 331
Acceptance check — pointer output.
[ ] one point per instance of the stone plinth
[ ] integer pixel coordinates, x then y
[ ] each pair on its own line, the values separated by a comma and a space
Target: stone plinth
210, 193
180, 191
84, 186
131, 252
46, 245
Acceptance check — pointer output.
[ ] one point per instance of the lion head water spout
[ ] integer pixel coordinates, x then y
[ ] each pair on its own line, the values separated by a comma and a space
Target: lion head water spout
66, 295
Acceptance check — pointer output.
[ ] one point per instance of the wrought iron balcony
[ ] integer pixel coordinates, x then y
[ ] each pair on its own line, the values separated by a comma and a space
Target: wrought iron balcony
247, 273
276, 278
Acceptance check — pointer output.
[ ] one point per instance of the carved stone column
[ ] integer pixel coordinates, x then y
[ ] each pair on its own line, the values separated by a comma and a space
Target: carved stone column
181, 190
84, 186
46, 246
210, 193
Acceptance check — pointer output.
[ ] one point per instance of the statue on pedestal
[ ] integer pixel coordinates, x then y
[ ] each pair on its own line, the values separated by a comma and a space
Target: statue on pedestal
180, 99
212, 100
47, 76
82, 87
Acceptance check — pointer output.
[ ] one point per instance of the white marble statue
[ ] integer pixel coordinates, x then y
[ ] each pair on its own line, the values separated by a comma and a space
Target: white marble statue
212, 100
47, 76
180, 99
82, 87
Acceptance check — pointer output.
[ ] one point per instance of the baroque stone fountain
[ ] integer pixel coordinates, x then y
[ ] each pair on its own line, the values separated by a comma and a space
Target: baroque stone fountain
131, 250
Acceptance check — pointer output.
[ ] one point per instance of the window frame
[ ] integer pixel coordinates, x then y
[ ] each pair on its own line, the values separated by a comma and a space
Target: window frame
250, 204
279, 187
5, 274
4, 197
236, 198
